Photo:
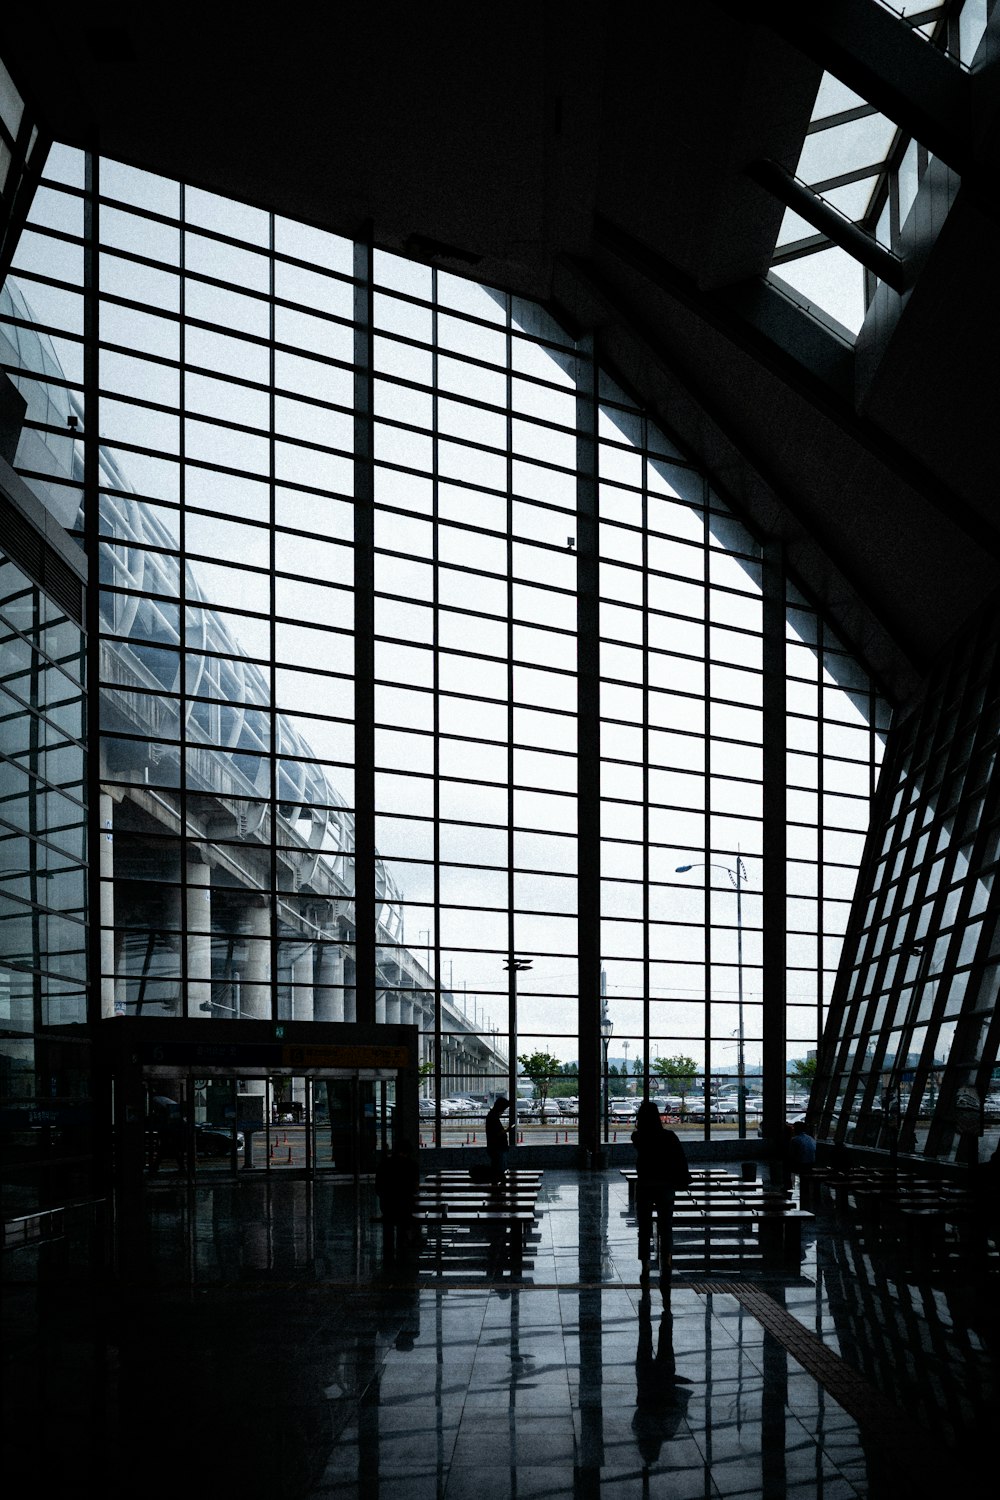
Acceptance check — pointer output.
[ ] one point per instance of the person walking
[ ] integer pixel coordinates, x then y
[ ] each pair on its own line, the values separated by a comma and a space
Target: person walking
497, 1139
661, 1168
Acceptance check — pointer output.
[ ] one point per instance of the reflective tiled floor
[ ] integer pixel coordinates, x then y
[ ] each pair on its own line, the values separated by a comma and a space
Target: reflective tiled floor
266, 1348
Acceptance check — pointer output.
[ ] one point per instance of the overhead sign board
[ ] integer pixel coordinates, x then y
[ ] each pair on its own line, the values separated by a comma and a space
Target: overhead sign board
237, 1055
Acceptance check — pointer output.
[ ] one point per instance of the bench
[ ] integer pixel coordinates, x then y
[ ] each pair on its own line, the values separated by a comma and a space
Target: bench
778, 1231
517, 1221
710, 1180
463, 1179
451, 1198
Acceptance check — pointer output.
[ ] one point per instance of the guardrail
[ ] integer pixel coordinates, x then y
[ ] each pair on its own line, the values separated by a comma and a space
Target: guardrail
45, 1225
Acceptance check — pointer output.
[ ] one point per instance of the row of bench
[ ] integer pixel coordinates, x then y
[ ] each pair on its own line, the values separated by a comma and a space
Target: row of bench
717, 1217
923, 1217
503, 1215
720, 1217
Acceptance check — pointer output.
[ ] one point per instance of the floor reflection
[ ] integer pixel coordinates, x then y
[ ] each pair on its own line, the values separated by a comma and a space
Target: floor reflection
661, 1395
265, 1347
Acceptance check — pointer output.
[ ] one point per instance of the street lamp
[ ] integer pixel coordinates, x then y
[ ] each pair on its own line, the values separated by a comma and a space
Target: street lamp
737, 877
514, 966
607, 1027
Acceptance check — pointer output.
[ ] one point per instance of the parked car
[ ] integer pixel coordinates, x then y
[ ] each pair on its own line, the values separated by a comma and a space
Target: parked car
427, 1108
536, 1110
216, 1140
569, 1105
464, 1105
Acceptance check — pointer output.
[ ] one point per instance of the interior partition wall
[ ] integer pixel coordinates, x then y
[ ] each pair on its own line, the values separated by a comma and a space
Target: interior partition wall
437, 685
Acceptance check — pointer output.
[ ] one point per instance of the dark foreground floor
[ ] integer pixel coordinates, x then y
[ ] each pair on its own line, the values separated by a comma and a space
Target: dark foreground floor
267, 1349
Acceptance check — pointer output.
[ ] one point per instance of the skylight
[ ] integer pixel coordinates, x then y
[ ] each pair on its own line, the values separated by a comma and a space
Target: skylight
856, 161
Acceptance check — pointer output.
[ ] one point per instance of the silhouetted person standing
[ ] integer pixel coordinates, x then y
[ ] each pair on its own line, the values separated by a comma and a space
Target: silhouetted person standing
497, 1139
661, 1168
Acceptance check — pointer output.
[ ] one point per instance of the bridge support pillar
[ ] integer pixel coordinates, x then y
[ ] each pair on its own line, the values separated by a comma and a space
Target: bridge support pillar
328, 1004
198, 911
255, 990
302, 984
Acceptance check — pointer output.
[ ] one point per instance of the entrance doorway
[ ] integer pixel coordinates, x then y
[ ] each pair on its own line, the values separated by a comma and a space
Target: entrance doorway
224, 1123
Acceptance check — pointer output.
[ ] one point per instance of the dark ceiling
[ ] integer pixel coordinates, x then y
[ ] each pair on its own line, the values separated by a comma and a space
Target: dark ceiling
595, 157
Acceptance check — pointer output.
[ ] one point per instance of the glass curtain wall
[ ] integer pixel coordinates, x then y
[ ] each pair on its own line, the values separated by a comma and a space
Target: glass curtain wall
389, 568
910, 1061
45, 1142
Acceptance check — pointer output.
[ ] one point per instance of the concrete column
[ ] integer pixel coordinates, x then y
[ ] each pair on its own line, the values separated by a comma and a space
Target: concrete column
391, 1008
302, 984
112, 949
350, 984
198, 910
255, 980
173, 925
328, 1003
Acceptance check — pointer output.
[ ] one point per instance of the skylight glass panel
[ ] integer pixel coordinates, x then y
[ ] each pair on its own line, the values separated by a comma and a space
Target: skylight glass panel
834, 97
856, 161
853, 198
793, 228
831, 279
838, 149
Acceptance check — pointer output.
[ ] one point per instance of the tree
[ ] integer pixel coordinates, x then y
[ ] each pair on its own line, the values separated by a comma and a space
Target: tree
617, 1085
567, 1085
802, 1071
679, 1070
540, 1068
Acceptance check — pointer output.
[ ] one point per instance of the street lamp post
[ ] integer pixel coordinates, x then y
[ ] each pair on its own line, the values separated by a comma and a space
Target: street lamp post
737, 878
607, 1027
